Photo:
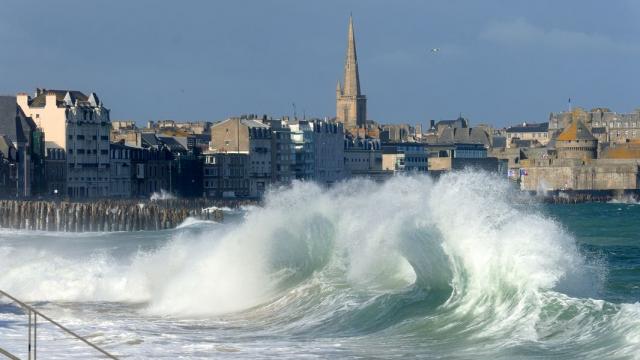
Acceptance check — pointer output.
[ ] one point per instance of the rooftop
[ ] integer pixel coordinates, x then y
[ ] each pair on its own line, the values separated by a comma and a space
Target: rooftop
576, 131
524, 128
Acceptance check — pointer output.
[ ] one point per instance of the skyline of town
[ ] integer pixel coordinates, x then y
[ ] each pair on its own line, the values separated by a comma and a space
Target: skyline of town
404, 81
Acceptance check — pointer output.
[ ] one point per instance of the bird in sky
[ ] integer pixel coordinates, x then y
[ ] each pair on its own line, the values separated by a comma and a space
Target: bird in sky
435, 50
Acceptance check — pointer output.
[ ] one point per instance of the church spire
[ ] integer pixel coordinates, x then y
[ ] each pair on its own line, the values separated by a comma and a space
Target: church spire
351, 83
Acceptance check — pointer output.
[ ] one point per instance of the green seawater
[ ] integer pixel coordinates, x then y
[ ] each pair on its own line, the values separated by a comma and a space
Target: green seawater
610, 232
462, 267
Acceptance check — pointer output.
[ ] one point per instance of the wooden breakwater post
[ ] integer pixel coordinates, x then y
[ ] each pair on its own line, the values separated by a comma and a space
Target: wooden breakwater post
104, 215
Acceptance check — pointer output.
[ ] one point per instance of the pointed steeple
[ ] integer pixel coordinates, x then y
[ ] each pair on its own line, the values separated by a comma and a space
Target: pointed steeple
339, 88
351, 76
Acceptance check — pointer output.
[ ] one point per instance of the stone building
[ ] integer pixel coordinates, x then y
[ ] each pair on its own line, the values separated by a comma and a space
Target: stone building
405, 157
576, 142
56, 170
247, 136
28, 141
351, 105
122, 171
8, 168
575, 165
535, 133
363, 158
226, 175
323, 157
606, 125
80, 125
283, 152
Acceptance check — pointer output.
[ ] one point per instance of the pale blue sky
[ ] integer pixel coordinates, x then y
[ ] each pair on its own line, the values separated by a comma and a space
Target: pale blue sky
501, 61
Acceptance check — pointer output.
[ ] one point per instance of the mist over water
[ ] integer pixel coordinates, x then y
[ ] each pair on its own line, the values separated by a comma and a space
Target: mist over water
462, 266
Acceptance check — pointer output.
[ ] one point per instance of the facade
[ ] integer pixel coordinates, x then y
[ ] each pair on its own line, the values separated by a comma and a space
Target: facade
247, 136
576, 166
303, 142
121, 178
328, 148
151, 171
56, 170
363, 158
606, 125
80, 125
405, 157
319, 148
27, 139
576, 142
283, 152
8, 168
351, 105
226, 175
186, 173
528, 132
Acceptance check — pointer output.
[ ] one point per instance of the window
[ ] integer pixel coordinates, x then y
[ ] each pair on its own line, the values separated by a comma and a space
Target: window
103, 137
104, 152
80, 137
80, 151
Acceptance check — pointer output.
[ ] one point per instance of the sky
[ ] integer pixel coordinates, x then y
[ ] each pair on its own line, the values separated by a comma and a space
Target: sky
501, 62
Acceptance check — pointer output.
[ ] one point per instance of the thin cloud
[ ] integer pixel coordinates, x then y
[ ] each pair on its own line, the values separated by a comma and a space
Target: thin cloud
521, 33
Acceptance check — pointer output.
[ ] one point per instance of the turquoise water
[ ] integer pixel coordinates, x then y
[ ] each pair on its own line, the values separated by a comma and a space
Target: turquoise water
610, 232
462, 267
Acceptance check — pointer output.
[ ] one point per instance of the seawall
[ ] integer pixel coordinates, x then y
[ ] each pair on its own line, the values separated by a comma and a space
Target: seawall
105, 215
585, 196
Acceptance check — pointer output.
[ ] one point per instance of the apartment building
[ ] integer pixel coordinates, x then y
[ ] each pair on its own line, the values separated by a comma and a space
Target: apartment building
80, 125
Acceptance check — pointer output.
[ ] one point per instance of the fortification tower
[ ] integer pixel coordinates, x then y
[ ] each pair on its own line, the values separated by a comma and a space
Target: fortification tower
576, 142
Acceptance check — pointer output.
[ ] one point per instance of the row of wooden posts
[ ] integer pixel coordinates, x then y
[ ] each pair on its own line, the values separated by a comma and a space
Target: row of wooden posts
103, 215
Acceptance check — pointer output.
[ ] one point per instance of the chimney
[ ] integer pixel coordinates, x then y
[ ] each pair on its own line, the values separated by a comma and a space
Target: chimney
50, 99
23, 101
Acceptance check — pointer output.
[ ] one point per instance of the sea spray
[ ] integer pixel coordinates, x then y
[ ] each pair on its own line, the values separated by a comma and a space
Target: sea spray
463, 265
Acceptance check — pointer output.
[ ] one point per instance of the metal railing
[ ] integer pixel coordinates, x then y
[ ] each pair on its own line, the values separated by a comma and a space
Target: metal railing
33, 315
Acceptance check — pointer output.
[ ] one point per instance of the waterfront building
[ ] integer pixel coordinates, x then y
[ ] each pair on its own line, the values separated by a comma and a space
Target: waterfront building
323, 158
573, 164
351, 104
303, 142
186, 175
247, 136
28, 141
363, 158
283, 152
447, 157
8, 168
226, 175
55, 165
405, 157
121, 178
151, 171
576, 142
80, 125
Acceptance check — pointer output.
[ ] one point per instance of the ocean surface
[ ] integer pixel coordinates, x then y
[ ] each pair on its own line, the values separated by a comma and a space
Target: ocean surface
464, 267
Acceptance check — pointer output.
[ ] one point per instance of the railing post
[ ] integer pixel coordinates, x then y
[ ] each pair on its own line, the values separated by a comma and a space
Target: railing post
35, 335
29, 336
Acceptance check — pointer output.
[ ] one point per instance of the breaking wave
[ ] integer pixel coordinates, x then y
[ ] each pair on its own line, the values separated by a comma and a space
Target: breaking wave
461, 262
